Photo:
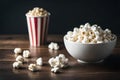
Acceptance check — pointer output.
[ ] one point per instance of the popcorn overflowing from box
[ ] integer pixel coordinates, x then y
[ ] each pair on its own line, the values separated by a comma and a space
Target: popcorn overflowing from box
37, 21
37, 12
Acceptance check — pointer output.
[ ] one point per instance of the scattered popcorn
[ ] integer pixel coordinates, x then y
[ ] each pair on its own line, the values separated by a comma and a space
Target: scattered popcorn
90, 34
37, 12
39, 61
17, 50
56, 63
56, 47
63, 60
59, 61
20, 58
52, 62
26, 53
33, 67
17, 65
55, 69
53, 45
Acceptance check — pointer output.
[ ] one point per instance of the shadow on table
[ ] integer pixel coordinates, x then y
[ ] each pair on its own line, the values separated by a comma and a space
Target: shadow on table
113, 61
110, 64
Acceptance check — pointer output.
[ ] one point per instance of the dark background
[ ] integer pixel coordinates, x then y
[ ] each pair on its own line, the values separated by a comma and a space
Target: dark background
65, 14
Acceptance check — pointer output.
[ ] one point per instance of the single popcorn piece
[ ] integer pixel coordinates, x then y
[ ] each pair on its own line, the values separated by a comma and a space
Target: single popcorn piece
20, 58
17, 65
90, 34
17, 50
107, 31
37, 12
53, 46
59, 61
26, 53
55, 69
69, 33
33, 67
39, 61
87, 26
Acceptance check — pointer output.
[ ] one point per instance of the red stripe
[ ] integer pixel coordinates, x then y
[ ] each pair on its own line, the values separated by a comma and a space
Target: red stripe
36, 30
42, 21
31, 30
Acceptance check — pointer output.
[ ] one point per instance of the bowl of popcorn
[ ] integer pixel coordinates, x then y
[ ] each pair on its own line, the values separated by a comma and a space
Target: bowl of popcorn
90, 43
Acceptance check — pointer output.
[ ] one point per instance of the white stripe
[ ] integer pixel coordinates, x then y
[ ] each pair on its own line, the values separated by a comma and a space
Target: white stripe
29, 30
39, 25
33, 30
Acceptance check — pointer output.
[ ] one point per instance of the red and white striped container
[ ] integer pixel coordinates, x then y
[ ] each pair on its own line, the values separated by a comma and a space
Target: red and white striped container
37, 29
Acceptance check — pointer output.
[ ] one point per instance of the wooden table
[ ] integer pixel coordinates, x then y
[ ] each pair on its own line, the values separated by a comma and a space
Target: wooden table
107, 70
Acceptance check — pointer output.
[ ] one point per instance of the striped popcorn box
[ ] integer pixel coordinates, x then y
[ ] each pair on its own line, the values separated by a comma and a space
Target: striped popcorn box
37, 29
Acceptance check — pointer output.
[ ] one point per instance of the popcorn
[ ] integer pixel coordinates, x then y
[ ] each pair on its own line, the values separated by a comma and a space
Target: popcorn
90, 34
107, 31
98, 38
37, 12
87, 26
81, 26
17, 50
20, 58
26, 53
76, 29
53, 45
97, 33
59, 61
17, 65
85, 40
52, 62
39, 61
55, 69
56, 63
69, 33
56, 47
33, 67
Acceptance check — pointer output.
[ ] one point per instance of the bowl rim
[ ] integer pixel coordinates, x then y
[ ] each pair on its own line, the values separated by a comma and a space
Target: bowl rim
114, 40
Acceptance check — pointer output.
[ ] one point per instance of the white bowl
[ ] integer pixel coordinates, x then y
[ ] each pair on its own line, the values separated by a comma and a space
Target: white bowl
89, 53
